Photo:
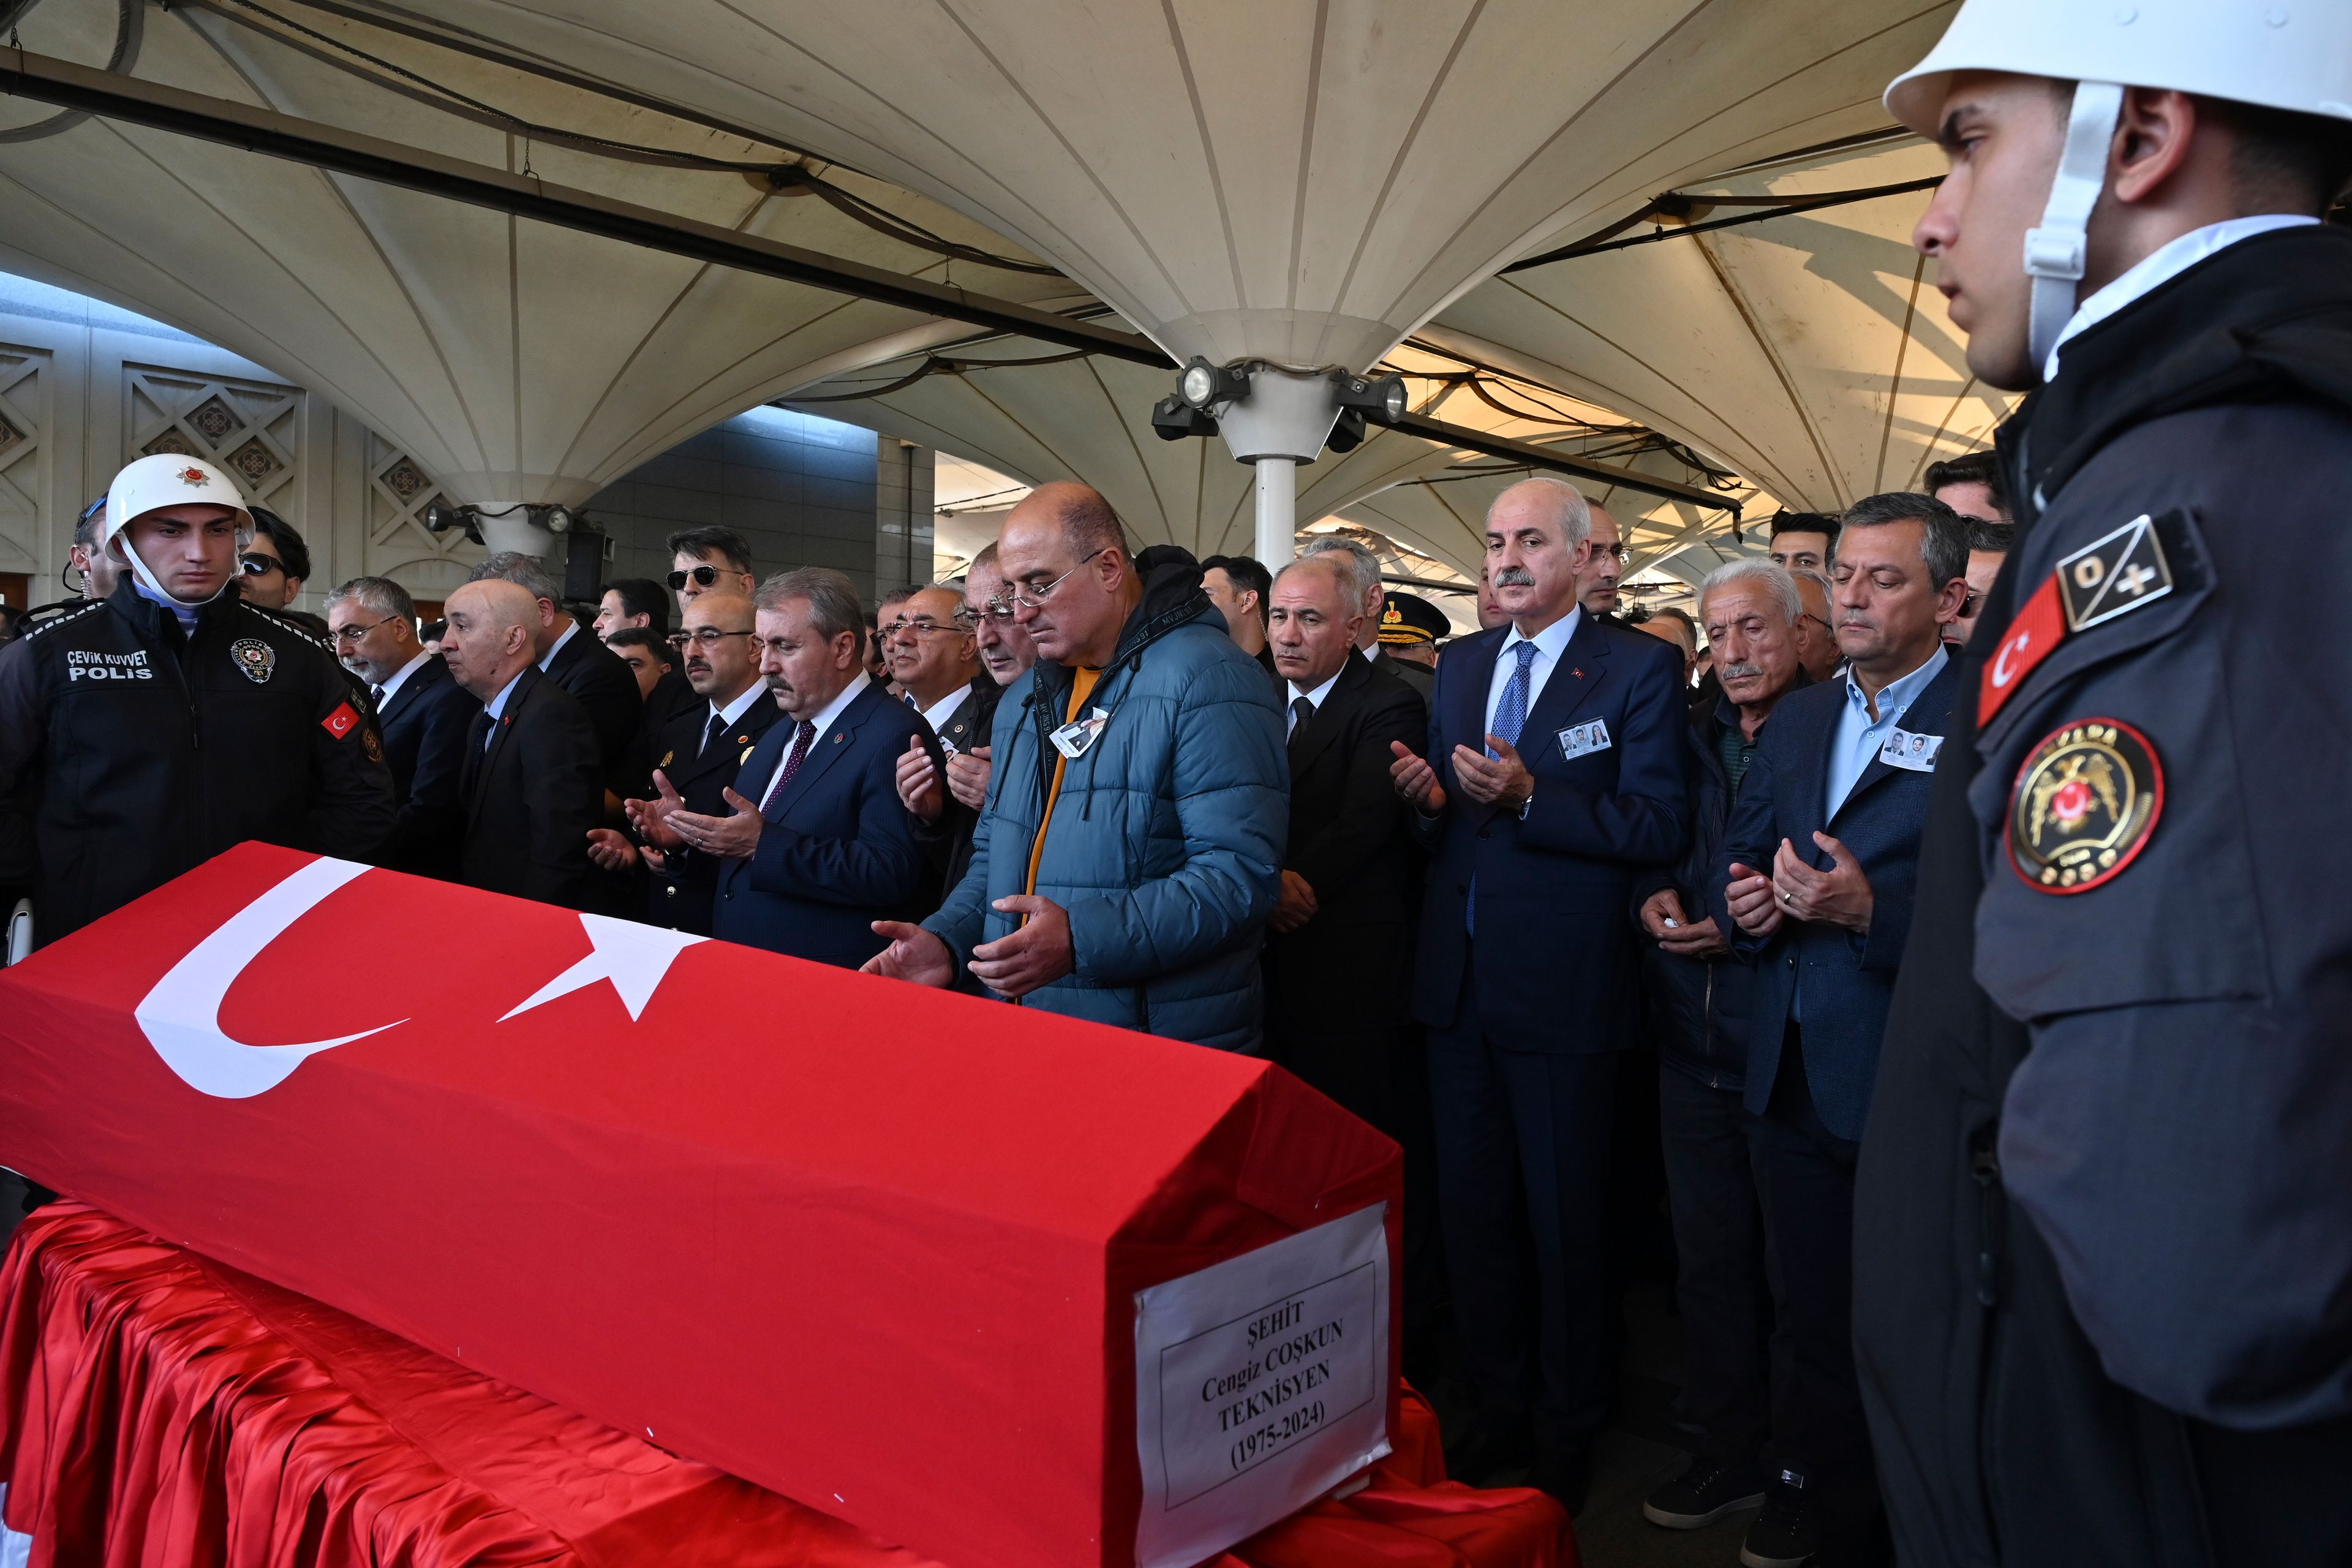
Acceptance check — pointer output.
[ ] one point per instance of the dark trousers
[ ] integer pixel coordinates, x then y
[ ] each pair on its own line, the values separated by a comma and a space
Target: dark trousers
1522, 1188
1727, 1307
1806, 1175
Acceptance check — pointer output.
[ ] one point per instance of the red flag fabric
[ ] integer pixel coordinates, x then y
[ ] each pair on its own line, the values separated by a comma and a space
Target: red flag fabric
870, 1245
159, 1410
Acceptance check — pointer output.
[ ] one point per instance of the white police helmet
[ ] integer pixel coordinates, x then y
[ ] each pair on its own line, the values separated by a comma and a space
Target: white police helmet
166, 479
2293, 55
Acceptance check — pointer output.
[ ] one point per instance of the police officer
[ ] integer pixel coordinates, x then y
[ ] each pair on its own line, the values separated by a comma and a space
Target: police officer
1410, 627
152, 729
2104, 1223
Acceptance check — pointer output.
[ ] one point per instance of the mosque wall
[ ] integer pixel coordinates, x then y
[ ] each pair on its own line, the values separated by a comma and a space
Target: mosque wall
86, 386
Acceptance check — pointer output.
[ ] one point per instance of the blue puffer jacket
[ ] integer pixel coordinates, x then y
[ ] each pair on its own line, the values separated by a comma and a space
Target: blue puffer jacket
1166, 844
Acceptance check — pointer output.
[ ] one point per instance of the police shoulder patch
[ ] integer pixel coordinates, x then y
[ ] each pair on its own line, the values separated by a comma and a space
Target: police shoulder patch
256, 657
2084, 806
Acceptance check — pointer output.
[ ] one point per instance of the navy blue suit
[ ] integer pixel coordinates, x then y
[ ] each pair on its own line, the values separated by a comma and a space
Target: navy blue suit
1849, 976
838, 851
422, 727
1528, 1020
1812, 1080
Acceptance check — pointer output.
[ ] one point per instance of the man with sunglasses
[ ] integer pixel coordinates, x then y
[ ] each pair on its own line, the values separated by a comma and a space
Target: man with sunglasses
695, 756
706, 558
1131, 851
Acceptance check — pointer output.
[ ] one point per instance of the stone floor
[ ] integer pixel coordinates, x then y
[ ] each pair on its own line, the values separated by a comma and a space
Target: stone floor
1640, 1451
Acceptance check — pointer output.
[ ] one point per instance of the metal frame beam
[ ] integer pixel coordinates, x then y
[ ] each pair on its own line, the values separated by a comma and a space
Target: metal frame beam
132, 101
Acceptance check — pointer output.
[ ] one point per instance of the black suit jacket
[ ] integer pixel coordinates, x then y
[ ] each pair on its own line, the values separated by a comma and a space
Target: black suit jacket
1420, 678
838, 851
424, 726
1350, 841
679, 894
607, 688
967, 729
531, 797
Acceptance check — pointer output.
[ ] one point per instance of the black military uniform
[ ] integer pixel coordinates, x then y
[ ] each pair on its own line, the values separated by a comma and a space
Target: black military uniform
130, 752
2104, 1223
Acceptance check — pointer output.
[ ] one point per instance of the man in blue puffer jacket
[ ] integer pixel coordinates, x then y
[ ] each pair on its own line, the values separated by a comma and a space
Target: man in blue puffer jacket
1131, 850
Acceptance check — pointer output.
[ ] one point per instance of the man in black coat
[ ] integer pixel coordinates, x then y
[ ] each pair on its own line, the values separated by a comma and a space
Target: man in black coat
697, 755
530, 786
2104, 1225
583, 666
422, 714
1700, 997
930, 646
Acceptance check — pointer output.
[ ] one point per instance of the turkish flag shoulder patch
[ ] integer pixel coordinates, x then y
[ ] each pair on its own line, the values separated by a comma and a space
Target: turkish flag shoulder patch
2033, 636
341, 721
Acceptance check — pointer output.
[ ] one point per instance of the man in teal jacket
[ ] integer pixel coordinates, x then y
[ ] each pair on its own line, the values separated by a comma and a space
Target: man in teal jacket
1131, 850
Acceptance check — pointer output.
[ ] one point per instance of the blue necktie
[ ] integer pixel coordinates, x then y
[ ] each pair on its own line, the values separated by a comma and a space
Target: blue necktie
1510, 718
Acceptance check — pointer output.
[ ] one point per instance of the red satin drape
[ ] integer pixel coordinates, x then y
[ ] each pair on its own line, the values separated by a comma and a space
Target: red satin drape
159, 1410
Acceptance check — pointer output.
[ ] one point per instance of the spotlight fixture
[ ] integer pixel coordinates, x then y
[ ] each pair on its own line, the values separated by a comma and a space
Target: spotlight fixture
442, 518
1349, 433
1204, 385
1173, 419
558, 519
1380, 397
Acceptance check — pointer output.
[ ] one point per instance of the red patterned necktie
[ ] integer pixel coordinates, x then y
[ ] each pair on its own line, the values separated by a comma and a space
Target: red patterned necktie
803, 737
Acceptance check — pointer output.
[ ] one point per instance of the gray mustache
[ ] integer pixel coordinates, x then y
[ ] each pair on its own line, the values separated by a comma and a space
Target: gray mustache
1515, 577
1740, 671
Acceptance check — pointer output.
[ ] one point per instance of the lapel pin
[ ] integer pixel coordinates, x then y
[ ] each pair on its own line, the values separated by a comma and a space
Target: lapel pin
1578, 673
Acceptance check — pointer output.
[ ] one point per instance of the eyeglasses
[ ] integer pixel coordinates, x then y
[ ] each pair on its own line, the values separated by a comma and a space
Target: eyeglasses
704, 637
1623, 552
259, 565
703, 577
921, 627
1028, 598
353, 634
999, 609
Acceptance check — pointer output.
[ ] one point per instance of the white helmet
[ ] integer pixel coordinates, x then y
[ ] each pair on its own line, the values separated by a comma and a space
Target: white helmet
2293, 55
162, 480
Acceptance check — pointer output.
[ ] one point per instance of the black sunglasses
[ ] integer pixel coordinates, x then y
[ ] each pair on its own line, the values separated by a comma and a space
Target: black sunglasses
703, 577
259, 565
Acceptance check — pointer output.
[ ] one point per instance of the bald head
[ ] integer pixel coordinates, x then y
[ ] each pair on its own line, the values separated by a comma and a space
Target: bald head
1073, 585
490, 636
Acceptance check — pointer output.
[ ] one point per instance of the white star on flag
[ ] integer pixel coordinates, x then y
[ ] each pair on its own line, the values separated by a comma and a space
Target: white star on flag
633, 957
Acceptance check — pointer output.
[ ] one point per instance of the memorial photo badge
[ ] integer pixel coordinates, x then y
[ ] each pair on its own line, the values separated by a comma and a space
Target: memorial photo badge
256, 657
2084, 806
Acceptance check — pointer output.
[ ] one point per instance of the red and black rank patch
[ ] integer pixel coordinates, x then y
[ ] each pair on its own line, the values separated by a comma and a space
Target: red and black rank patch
340, 722
2084, 806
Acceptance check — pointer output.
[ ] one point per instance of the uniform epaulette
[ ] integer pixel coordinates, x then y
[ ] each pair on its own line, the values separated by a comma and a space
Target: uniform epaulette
288, 623
49, 617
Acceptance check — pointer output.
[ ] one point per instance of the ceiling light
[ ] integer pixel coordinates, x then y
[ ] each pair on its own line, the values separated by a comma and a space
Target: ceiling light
1380, 397
1204, 385
1173, 419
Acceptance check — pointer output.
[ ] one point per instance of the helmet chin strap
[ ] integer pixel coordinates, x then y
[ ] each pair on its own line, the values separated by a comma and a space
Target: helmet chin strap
2057, 253
139, 568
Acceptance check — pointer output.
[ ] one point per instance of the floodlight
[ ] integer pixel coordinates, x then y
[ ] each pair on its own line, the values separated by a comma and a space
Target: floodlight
1204, 385
1380, 397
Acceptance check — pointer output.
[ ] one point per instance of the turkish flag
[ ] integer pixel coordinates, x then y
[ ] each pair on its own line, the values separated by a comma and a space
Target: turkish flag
339, 723
2032, 637
875, 1246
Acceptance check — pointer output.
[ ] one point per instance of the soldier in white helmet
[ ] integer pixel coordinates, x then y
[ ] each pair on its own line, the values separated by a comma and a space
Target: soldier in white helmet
150, 729
2104, 1221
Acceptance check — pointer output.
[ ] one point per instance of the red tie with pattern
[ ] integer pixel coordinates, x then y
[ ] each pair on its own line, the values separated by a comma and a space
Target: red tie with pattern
802, 737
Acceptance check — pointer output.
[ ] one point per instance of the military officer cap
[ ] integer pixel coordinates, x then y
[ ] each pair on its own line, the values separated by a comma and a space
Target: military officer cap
1409, 618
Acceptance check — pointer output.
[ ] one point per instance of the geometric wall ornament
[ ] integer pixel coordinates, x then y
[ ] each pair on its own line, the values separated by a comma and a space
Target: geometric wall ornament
214, 420
252, 428
254, 462
25, 385
172, 441
405, 479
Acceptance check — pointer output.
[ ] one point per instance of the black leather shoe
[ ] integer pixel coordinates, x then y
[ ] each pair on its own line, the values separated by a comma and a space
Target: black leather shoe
1565, 1474
1487, 1450
1783, 1536
1705, 1491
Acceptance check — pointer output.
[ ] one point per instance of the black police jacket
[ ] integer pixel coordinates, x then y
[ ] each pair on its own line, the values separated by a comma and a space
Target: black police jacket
2103, 1228
129, 753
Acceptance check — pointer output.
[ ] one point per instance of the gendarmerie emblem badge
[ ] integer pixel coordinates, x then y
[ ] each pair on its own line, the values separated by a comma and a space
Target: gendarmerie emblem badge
2084, 806
256, 657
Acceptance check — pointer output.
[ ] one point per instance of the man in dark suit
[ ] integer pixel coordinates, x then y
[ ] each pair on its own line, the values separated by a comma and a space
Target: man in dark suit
931, 645
583, 666
694, 761
824, 849
1814, 885
1554, 773
422, 716
1410, 630
529, 784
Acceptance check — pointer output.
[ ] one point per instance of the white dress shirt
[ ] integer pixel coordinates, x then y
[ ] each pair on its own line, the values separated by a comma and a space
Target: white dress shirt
1314, 698
740, 706
824, 722
939, 712
498, 706
2162, 265
400, 677
1550, 643
571, 630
